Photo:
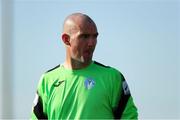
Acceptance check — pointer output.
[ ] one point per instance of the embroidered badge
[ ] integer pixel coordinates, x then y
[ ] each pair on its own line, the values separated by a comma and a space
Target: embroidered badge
89, 83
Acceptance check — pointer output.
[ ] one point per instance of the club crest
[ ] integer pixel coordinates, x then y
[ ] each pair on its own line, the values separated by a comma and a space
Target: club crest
89, 83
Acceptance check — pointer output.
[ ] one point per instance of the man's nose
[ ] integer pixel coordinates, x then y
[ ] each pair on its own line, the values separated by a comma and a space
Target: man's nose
91, 41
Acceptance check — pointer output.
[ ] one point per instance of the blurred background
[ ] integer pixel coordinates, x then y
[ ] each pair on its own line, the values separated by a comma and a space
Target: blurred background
141, 38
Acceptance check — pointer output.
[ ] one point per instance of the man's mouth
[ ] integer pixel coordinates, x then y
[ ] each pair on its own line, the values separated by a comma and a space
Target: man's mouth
88, 53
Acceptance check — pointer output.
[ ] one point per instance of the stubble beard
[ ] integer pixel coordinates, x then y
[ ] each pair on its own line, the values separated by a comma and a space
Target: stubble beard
81, 62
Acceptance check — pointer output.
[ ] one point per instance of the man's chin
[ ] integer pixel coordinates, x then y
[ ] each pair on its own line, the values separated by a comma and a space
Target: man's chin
84, 60
87, 59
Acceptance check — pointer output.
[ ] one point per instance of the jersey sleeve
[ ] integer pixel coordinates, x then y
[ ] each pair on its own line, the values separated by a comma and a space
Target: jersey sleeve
40, 101
123, 105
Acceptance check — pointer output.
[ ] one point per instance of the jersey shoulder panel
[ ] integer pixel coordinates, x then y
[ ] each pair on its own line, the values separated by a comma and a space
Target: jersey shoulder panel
51, 75
48, 79
53, 72
109, 71
100, 64
107, 68
54, 68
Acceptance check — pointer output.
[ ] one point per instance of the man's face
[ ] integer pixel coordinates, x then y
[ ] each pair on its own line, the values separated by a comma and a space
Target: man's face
83, 43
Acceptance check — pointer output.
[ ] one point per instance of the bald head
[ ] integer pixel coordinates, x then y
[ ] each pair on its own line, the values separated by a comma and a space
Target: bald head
75, 22
80, 38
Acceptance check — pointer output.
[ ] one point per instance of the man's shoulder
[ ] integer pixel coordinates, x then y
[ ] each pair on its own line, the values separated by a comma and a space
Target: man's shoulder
52, 72
53, 69
101, 65
106, 68
108, 71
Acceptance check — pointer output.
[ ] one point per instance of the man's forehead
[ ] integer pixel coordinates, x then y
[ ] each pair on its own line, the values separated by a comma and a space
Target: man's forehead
88, 29
80, 22
86, 25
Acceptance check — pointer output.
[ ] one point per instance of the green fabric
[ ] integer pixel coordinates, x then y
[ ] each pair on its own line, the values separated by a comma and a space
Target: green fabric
66, 93
130, 111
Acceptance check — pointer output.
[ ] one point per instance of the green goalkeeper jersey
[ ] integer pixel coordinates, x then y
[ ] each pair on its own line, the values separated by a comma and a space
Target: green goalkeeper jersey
95, 92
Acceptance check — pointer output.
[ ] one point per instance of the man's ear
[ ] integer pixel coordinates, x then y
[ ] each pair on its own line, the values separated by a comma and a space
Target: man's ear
66, 39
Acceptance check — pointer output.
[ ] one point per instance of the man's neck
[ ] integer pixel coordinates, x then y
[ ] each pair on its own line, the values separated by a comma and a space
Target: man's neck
75, 65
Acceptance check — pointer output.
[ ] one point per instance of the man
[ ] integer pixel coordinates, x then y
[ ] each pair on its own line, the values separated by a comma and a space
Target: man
81, 88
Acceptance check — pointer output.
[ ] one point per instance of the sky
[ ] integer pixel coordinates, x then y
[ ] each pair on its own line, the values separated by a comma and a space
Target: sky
138, 37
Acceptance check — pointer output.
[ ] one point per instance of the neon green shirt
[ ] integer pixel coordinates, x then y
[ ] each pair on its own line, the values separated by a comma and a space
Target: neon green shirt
95, 92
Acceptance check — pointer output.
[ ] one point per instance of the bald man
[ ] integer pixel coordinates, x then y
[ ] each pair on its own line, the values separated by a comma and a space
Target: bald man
81, 88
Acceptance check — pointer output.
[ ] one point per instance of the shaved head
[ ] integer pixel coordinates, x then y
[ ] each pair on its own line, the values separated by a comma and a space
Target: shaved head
75, 22
80, 38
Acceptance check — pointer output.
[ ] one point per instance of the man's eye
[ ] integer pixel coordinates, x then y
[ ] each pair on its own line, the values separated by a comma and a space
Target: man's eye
95, 36
85, 36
